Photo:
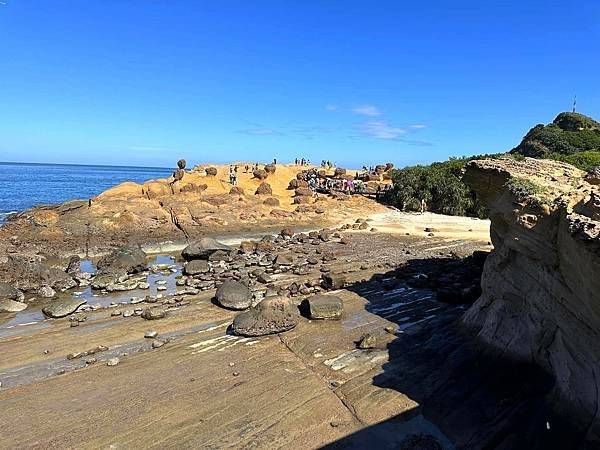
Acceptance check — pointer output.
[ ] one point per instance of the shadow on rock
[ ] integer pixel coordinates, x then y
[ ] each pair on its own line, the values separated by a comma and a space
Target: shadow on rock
470, 397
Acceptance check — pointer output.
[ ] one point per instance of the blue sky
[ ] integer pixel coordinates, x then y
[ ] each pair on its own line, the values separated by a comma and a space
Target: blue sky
145, 82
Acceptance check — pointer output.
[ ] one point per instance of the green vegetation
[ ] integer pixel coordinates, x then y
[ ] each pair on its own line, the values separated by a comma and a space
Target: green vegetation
440, 185
522, 187
583, 160
568, 134
571, 137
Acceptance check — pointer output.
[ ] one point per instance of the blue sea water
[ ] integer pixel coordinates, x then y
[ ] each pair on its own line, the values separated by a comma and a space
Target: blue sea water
23, 185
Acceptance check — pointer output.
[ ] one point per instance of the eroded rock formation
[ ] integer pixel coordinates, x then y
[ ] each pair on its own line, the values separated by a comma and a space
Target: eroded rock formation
541, 284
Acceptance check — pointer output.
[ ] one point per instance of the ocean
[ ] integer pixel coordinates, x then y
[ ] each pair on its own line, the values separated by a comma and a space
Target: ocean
24, 185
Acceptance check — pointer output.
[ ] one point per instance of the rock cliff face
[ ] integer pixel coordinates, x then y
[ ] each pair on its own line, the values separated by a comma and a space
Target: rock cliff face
541, 284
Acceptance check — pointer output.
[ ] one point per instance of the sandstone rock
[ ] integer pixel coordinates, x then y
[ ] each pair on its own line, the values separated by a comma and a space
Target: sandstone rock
287, 232
129, 259
282, 261
302, 199
593, 176
62, 307
7, 305
74, 265
211, 171
151, 334
272, 315
103, 280
369, 340
339, 172
234, 295
9, 292
113, 361
181, 164
46, 292
260, 174
270, 168
271, 201
303, 191
247, 247
202, 249
296, 183
196, 266
324, 307
264, 189
333, 280
540, 285
153, 313
236, 190
219, 255
178, 175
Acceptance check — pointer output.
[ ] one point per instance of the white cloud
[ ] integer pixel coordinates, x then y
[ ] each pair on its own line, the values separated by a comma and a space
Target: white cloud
367, 110
331, 107
380, 129
418, 126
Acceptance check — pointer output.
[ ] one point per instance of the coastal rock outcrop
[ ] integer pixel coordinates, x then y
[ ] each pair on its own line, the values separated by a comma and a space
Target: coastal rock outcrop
540, 297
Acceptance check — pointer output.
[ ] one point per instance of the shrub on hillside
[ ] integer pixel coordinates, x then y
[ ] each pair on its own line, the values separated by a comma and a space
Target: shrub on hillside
440, 185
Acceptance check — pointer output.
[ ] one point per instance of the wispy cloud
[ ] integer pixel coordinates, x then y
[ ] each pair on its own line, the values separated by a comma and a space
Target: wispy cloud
367, 110
261, 131
331, 107
380, 129
417, 126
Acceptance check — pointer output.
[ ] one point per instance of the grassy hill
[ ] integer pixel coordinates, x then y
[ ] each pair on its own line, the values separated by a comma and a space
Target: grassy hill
568, 134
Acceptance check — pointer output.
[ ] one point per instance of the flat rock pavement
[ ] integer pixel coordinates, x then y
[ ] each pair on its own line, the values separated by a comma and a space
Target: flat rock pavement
206, 388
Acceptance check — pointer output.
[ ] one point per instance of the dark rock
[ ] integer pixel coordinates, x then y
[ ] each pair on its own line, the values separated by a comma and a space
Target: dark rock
260, 174
202, 249
9, 292
270, 168
264, 189
333, 280
129, 259
219, 255
234, 295
103, 280
74, 266
196, 266
272, 315
303, 191
211, 171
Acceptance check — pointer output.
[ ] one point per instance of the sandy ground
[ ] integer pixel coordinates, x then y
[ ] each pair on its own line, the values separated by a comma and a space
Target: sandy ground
394, 221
